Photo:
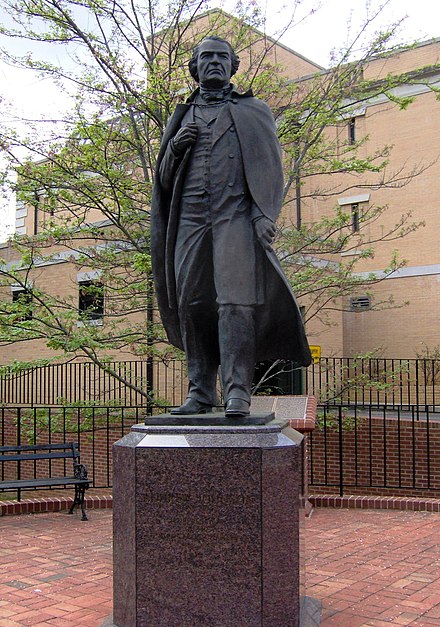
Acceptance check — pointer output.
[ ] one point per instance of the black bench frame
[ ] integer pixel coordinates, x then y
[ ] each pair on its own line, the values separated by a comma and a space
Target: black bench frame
35, 452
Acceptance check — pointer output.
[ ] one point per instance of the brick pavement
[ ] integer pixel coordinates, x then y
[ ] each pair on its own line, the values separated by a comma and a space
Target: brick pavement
55, 569
369, 568
373, 568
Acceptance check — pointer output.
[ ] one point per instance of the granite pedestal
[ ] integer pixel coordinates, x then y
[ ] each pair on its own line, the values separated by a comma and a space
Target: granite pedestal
206, 525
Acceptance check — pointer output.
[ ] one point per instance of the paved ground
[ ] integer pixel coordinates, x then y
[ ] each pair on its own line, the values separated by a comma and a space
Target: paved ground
369, 568
55, 569
374, 567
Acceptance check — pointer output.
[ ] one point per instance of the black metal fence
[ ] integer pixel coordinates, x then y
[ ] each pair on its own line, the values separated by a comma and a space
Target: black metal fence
95, 429
332, 380
374, 382
352, 450
376, 451
85, 382
378, 421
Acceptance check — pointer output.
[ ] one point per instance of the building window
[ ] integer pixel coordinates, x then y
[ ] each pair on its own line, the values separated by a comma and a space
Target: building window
284, 379
36, 212
352, 131
355, 217
91, 300
354, 209
23, 297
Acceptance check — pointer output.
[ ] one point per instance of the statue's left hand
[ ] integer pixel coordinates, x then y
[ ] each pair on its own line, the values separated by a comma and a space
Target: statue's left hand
265, 230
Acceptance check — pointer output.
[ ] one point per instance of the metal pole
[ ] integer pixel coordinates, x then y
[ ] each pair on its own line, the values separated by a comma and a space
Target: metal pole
341, 468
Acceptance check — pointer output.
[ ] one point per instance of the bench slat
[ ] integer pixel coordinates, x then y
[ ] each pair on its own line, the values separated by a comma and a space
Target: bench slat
38, 447
39, 483
36, 456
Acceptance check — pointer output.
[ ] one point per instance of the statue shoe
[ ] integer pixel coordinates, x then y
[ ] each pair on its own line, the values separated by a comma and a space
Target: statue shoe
191, 406
236, 407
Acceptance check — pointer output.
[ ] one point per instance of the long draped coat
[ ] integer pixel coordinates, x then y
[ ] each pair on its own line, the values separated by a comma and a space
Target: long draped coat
279, 327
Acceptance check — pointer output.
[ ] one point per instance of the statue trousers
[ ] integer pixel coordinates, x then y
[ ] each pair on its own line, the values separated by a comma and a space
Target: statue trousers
216, 268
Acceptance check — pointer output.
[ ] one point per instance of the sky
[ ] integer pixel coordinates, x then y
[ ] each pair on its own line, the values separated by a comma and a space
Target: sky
327, 28
33, 97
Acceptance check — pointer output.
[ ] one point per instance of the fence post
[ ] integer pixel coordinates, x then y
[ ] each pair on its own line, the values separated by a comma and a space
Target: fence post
19, 444
428, 448
341, 456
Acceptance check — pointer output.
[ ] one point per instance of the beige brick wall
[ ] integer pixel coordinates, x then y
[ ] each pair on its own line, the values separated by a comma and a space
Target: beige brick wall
59, 281
423, 55
400, 332
415, 136
328, 335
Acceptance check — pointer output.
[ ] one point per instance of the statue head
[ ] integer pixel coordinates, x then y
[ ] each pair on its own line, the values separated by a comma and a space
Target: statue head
213, 62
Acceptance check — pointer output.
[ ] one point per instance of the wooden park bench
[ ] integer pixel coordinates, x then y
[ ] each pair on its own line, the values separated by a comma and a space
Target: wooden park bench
34, 453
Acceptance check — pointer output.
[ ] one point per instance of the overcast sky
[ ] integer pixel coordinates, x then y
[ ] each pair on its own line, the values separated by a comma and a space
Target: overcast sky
327, 28
314, 38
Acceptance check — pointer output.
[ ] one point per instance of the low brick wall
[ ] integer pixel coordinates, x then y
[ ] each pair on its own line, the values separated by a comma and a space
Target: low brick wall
379, 456
48, 503
401, 503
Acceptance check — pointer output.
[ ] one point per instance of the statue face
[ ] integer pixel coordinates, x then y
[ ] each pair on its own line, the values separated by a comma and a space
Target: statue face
214, 64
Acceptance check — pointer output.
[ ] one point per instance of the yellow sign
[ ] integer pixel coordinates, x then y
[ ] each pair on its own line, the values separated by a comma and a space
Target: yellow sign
316, 353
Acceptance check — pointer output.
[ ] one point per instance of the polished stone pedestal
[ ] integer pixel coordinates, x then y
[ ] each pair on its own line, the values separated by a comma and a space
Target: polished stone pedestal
206, 526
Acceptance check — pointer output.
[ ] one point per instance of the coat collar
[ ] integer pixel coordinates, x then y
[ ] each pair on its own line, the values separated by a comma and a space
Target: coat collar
233, 94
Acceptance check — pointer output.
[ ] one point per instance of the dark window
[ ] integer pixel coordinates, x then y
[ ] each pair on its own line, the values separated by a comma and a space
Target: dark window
24, 298
352, 131
279, 379
91, 300
355, 218
36, 213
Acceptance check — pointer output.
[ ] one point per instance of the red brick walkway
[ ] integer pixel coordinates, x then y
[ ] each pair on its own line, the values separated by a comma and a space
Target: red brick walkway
55, 569
374, 567
368, 568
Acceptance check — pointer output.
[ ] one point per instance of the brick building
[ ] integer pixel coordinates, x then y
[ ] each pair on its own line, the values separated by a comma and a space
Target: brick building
356, 326
414, 134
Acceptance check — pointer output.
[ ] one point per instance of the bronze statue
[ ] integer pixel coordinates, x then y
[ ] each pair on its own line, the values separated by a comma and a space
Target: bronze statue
222, 295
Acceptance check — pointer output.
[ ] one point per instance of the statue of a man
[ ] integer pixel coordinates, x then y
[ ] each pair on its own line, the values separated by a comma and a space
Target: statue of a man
222, 295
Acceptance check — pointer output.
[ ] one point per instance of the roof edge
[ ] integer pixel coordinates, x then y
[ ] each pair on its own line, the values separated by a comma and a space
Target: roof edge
263, 34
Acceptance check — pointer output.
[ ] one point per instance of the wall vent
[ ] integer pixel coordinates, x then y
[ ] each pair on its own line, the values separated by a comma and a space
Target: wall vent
360, 303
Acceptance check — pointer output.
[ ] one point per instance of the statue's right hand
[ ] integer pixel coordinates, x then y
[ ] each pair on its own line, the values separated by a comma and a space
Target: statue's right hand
185, 137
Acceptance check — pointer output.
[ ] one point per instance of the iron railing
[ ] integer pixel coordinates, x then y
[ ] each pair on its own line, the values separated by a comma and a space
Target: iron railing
374, 382
332, 380
351, 451
376, 450
95, 429
85, 382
